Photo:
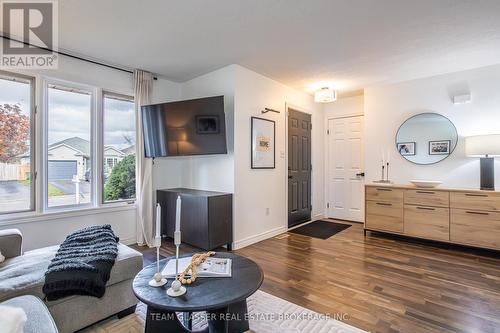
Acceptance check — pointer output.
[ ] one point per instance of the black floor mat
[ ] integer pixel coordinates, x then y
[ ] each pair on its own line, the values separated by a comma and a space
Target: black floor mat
320, 229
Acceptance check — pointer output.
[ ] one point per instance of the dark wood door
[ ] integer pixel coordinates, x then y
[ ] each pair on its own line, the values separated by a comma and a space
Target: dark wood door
299, 167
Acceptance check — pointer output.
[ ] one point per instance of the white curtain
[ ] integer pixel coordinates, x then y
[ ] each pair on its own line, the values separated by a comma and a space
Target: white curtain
143, 84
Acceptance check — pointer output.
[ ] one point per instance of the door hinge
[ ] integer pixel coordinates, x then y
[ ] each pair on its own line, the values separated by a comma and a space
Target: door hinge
327, 132
327, 205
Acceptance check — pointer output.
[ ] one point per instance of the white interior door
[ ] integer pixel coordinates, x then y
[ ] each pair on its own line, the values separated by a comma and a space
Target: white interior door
346, 169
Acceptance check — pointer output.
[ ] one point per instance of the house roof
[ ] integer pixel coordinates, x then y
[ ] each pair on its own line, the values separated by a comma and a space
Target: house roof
129, 150
76, 143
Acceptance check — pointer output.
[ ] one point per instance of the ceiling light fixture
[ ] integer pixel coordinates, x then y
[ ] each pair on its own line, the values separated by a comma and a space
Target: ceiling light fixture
325, 95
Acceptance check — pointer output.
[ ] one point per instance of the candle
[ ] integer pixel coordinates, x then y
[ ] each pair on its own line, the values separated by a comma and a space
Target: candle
178, 214
158, 220
388, 156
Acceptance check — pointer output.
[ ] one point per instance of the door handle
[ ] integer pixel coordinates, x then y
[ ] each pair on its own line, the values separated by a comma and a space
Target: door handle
361, 174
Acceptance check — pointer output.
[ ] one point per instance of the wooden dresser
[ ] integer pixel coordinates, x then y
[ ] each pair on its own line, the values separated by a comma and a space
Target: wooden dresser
467, 217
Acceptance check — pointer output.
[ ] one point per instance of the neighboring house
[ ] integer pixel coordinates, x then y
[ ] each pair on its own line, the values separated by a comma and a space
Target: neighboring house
72, 157
129, 150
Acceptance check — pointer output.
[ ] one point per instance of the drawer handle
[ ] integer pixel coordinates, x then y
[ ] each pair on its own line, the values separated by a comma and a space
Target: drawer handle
475, 195
384, 204
384, 189
477, 213
426, 192
426, 208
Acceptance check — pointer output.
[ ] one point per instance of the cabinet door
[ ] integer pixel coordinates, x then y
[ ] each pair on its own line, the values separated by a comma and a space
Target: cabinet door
384, 216
427, 222
477, 228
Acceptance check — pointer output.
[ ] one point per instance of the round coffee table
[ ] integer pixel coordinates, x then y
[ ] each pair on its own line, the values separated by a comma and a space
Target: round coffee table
224, 299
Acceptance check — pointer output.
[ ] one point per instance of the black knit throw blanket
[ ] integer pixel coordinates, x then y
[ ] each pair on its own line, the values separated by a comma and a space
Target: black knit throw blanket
82, 264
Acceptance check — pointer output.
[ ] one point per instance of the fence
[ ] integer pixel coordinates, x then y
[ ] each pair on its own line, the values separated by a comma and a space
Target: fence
12, 171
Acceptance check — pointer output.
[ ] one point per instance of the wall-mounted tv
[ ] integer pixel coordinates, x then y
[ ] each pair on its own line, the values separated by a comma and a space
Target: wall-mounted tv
191, 127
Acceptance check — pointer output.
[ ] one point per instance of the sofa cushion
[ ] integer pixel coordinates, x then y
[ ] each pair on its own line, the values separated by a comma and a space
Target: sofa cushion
25, 275
39, 318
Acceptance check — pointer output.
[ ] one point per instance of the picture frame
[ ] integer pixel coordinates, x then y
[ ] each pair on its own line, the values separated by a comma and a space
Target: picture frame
209, 124
441, 147
263, 143
407, 148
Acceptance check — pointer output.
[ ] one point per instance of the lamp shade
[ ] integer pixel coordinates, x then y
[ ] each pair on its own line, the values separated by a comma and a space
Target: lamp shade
482, 145
325, 95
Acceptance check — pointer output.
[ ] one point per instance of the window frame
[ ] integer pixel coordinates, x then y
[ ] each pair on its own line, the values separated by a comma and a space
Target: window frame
16, 77
119, 96
77, 87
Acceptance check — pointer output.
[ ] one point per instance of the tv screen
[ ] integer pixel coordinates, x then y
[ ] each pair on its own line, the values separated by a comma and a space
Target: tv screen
192, 127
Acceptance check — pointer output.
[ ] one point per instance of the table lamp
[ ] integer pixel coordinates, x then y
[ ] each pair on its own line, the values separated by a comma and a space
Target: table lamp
486, 147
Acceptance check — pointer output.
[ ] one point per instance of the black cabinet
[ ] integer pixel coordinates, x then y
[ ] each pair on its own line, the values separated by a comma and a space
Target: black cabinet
206, 216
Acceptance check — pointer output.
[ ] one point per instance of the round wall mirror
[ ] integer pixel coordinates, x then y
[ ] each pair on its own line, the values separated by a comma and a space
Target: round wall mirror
426, 138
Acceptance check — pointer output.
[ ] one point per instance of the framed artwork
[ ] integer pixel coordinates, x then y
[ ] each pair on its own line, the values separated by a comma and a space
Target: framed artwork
207, 125
439, 147
263, 143
407, 148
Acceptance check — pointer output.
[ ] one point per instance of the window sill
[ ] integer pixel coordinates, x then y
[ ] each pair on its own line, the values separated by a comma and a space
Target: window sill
30, 217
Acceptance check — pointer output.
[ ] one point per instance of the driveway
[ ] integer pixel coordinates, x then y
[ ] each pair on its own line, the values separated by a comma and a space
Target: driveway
14, 195
68, 187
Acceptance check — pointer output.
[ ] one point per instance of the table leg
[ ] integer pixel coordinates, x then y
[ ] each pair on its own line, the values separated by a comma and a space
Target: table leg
233, 319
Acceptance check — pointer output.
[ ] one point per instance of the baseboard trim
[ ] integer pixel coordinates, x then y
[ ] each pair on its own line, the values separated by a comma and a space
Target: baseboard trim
129, 241
257, 238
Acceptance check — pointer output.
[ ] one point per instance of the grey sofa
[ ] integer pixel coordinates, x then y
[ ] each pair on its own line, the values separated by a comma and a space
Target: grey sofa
23, 274
39, 318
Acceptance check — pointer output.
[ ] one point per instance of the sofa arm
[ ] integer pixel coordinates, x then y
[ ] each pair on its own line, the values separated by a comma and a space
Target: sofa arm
11, 243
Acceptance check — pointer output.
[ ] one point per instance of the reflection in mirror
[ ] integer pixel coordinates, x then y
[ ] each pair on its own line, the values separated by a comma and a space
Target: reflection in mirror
426, 138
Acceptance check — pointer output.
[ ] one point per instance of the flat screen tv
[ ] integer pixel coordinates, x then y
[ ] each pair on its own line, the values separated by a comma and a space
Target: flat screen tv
191, 127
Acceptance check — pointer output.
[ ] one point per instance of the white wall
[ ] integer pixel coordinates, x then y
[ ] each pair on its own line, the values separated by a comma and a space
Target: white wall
343, 107
386, 107
52, 228
256, 190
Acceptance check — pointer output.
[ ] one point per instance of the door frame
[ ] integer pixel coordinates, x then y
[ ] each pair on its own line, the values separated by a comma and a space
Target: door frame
303, 110
326, 157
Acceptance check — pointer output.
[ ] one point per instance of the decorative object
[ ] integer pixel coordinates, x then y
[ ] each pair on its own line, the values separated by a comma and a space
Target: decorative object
486, 147
406, 148
176, 288
196, 261
263, 143
207, 124
385, 169
325, 95
158, 280
426, 183
417, 138
439, 147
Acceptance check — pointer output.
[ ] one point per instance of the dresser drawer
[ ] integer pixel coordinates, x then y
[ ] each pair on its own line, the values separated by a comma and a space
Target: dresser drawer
385, 194
475, 200
475, 228
384, 216
427, 222
427, 198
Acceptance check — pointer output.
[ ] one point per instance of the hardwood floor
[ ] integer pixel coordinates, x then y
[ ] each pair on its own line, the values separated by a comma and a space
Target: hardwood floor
382, 283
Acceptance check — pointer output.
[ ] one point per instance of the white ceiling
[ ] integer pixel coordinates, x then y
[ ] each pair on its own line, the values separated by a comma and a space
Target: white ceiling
351, 43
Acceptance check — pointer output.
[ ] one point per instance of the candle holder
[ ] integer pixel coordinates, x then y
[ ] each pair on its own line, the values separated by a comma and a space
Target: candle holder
177, 289
158, 279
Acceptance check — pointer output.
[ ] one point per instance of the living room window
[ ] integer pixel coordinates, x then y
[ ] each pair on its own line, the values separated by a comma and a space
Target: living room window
69, 152
16, 143
118, 147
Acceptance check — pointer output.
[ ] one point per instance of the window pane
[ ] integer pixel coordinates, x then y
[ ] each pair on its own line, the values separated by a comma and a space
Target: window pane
15, 143
119, 149
69, 157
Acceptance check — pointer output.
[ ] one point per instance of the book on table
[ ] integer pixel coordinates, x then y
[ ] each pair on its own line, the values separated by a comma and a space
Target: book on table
212, 267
